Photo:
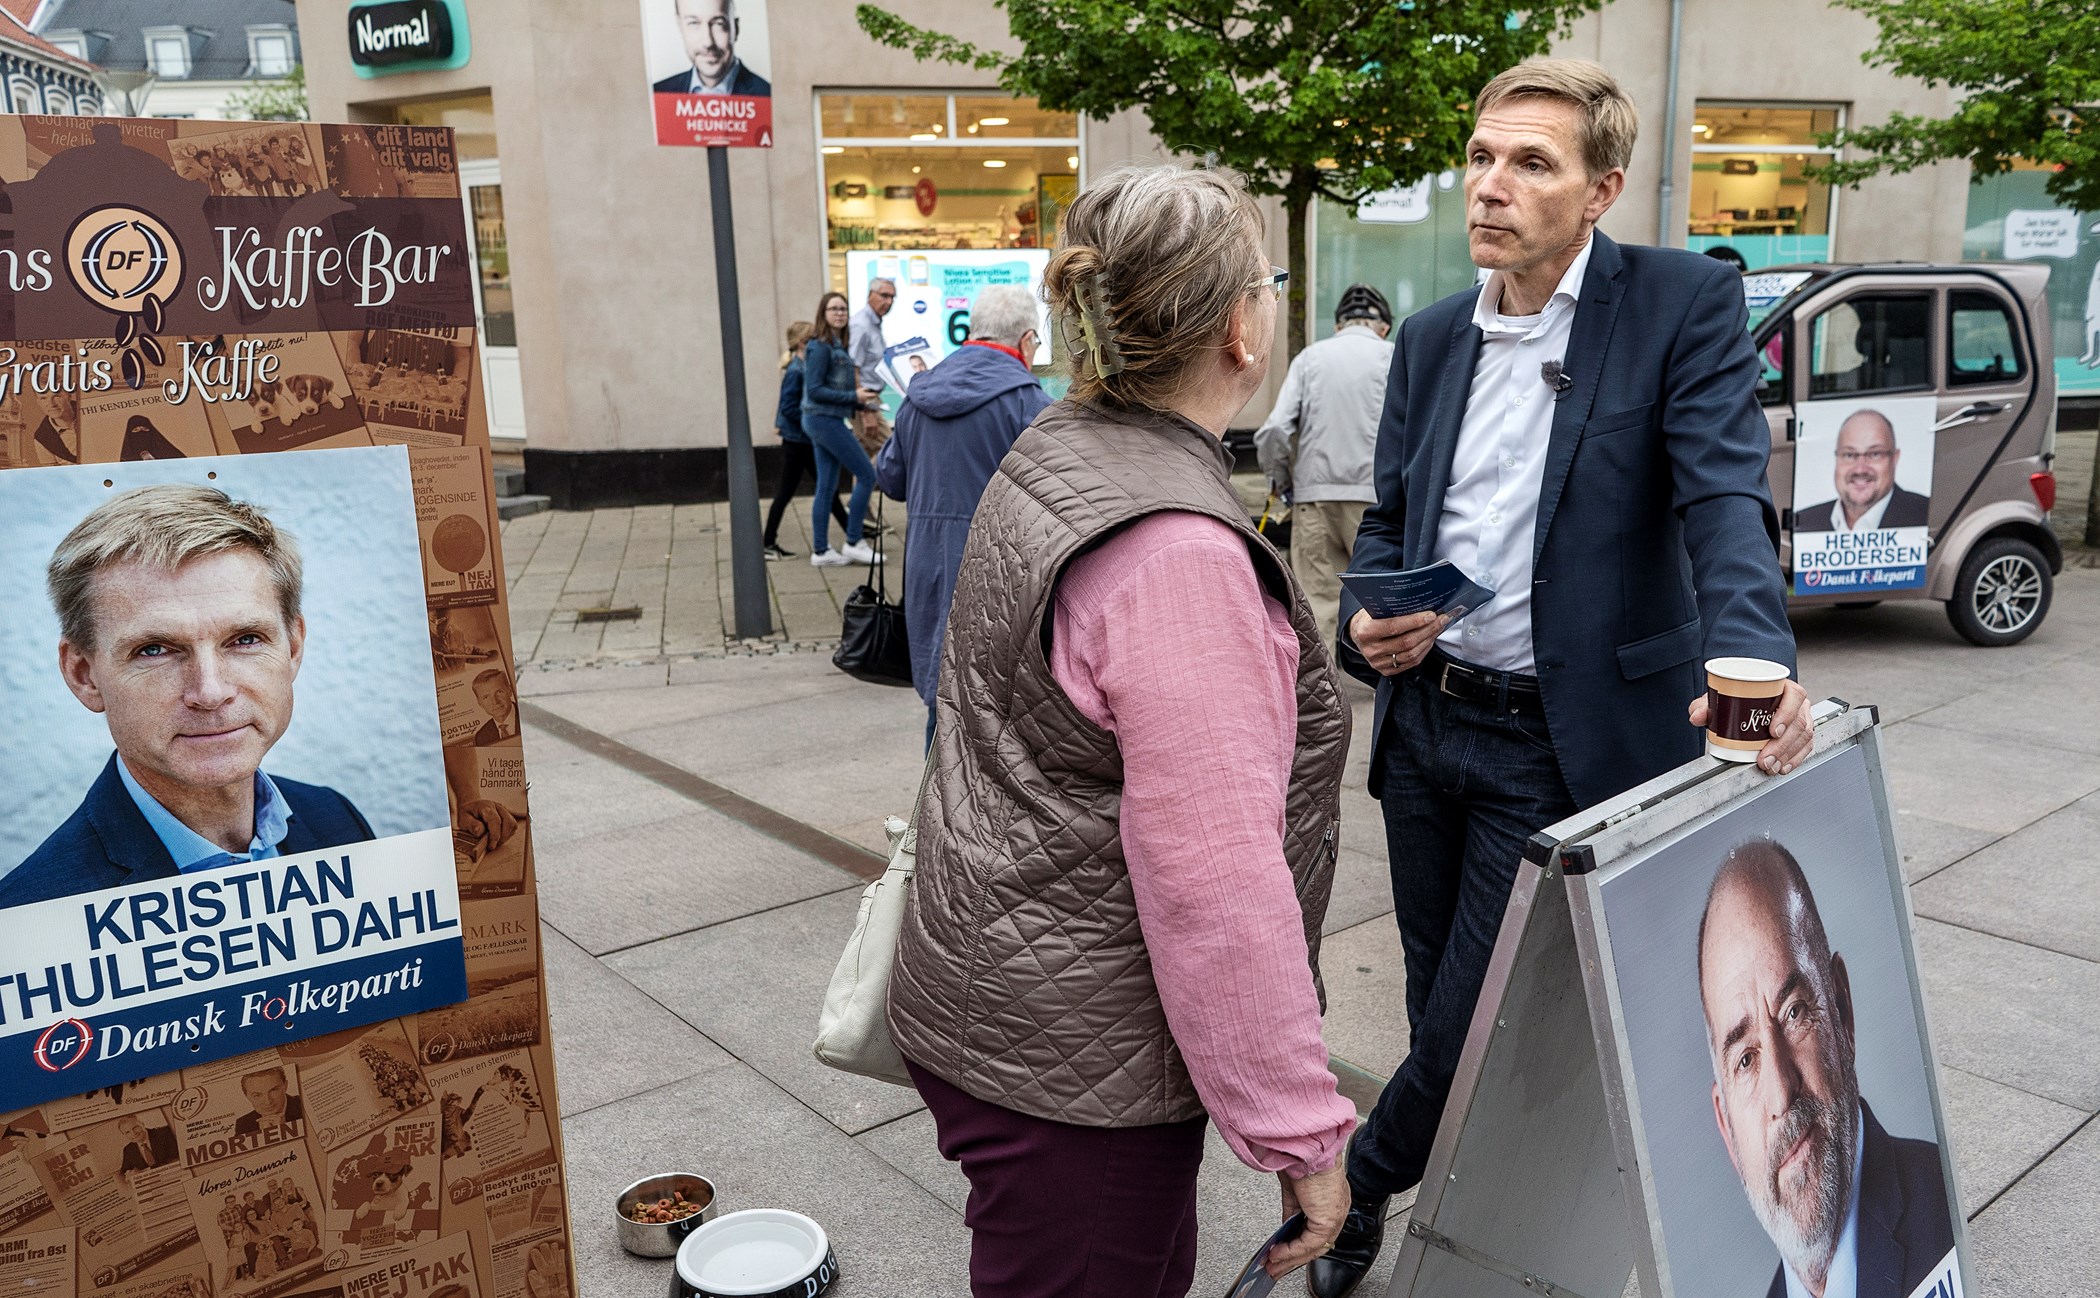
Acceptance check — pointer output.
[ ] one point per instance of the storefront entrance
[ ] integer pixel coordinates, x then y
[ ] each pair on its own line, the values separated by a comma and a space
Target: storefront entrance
481, 188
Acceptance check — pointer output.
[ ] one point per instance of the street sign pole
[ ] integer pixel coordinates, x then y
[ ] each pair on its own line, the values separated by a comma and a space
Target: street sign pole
747, 562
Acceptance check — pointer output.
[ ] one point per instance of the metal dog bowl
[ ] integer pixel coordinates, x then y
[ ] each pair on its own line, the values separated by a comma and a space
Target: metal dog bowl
756, 1253
661, 1239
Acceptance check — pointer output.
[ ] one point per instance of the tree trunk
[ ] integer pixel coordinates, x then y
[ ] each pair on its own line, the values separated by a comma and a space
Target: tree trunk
1297, 199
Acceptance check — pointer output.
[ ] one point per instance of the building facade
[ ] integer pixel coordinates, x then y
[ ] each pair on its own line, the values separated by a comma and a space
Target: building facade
598, 303
41, 77
200, 52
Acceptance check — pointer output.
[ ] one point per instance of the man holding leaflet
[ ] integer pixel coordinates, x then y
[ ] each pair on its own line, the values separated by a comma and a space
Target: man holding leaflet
1580, 435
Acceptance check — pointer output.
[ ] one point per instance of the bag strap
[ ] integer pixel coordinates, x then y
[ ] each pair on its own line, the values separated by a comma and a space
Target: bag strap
882, 593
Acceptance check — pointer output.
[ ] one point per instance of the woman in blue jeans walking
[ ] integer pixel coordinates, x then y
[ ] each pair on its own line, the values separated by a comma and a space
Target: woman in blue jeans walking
829, 398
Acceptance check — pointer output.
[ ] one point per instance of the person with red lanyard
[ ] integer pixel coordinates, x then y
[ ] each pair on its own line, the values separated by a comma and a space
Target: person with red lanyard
958, 420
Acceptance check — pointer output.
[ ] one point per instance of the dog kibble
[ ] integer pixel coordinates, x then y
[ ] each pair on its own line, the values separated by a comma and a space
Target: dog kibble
675, 1208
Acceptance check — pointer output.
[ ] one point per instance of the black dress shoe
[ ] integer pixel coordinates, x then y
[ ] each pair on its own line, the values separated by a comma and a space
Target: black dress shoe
1340, 1269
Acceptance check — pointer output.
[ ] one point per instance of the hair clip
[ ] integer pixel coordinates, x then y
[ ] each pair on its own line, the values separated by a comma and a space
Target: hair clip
1094, 327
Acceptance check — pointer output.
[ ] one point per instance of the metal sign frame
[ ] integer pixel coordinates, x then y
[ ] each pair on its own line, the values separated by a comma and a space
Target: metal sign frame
1540, 1181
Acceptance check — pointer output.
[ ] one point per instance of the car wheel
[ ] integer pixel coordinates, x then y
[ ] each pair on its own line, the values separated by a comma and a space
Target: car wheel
2002, 593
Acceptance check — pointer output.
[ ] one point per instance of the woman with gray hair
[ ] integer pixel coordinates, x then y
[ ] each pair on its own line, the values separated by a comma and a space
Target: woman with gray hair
957, 422
1128, 835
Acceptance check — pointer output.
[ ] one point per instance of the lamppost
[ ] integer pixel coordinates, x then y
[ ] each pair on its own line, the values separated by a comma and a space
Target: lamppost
126, 88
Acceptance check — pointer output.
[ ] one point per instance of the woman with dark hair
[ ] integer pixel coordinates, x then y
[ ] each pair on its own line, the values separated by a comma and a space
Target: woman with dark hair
829, 399
797, 456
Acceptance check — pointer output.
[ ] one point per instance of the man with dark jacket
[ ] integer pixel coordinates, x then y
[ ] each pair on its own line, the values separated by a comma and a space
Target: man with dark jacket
179, 624
957, 422
1581, 435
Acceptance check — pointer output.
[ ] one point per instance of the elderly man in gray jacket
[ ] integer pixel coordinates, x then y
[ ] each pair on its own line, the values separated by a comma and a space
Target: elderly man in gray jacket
1318, 442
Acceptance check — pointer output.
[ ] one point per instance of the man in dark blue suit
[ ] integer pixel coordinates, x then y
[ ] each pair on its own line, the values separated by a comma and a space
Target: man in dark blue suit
710, 29
1853, 1211
179, 622
1581, 435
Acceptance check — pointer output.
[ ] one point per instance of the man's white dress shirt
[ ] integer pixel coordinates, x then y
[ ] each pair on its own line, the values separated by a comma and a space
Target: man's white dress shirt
1491, 505
1868, 521
1843, 1280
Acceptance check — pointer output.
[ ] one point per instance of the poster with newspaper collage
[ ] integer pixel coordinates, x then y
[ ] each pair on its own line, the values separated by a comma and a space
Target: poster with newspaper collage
269, 289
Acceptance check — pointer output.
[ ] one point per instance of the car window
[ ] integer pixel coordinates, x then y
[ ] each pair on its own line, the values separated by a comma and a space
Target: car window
1871, 342
1772, 367
1980, 346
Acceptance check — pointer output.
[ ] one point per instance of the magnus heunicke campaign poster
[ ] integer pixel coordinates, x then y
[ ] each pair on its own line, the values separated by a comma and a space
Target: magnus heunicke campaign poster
267, 918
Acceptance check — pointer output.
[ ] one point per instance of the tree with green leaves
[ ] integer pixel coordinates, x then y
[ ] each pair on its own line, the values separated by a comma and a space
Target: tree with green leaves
2028, 72
1306, 98
271, 101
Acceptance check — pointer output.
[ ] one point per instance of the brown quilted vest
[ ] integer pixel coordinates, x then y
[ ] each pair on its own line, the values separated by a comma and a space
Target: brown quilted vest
1021, 974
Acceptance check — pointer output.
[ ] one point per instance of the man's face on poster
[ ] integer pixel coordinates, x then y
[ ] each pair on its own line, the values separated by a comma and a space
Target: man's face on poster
1866, 460
134, 1130
1779, 1022
495, 695
709, 29
191, 667
266, 1093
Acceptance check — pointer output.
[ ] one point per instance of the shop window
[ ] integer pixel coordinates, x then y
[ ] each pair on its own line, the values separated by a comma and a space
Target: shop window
471, 117
1871, 343
1980, 345
924, 172
1749, 192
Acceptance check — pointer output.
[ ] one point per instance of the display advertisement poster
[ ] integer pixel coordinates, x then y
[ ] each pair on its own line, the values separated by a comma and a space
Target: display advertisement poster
1862, 489
1781, 1076
935, 291
709, 72
243, 632
266, 879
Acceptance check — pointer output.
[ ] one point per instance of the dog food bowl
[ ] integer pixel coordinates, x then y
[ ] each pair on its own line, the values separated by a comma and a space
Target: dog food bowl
756, 1253
662, 1238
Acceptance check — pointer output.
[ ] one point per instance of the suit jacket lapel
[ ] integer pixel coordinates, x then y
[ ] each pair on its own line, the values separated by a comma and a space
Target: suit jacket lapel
126, 837
1454, 389
1596, 311
1881, 1208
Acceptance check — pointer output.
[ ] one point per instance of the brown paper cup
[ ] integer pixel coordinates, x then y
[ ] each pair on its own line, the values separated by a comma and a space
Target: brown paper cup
1741, 696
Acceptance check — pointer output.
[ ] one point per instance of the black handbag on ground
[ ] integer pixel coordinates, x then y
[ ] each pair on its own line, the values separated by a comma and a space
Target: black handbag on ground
872, 643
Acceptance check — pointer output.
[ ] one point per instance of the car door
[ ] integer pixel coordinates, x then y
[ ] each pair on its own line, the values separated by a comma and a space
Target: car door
1867, 339
1984, 389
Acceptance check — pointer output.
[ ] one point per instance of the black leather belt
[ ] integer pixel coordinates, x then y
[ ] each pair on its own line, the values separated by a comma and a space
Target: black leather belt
1502, 691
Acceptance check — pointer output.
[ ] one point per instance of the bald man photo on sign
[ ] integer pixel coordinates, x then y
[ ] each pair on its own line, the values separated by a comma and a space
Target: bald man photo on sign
179, 623
1854, 1211
1868, 497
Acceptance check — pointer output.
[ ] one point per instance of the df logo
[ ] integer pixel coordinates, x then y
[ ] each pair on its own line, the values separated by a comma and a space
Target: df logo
63, 1044
128, 263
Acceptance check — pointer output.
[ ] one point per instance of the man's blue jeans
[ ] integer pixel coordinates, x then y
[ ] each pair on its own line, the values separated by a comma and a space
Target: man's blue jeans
1465, 786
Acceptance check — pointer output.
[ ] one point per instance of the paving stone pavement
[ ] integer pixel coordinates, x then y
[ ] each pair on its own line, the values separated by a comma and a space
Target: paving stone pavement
688, 952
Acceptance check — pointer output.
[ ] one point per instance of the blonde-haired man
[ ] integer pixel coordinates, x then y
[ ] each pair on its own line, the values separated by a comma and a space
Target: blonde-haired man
179, 622
1580, 434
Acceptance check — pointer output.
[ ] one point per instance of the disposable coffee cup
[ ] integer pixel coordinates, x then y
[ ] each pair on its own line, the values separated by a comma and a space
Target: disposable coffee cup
1742, 696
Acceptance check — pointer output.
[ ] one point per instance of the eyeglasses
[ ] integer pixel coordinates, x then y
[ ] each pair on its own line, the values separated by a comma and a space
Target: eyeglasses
1276, 278
1880, 456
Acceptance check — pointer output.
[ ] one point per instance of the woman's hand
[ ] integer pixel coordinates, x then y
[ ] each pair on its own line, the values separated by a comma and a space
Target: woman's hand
1324, 1199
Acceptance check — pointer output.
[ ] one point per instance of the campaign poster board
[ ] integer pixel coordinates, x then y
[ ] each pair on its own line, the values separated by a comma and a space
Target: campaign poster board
709, 68
1775, 1056
1862, 494
282, 312
116, 966
936, 288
